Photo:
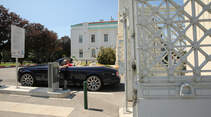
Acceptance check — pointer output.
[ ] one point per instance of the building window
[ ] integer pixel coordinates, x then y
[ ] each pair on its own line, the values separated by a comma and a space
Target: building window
105, 37
93, 53
80, 39
80, 53
92, 38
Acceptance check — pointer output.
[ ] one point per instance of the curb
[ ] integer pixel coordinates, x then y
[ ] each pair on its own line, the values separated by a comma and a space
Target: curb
34, 91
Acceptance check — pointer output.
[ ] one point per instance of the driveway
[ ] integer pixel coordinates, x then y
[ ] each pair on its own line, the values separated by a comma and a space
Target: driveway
104, 103
8, 75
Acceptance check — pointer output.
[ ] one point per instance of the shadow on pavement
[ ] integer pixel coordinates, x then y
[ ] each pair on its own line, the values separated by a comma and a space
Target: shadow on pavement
71, 96
95, 109
107, 88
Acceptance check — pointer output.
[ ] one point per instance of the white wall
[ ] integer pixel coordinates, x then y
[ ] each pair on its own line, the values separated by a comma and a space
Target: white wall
75, 45
87, 45
174, 108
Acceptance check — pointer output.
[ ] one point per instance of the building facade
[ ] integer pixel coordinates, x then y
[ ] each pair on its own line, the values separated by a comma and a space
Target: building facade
88, 38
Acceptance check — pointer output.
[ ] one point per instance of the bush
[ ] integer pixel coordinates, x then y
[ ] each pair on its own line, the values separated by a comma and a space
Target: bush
106, 56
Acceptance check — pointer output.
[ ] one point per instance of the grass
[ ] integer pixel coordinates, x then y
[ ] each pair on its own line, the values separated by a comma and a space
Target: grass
7, 64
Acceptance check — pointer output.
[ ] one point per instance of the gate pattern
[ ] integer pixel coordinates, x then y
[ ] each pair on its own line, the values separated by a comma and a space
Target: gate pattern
173, 41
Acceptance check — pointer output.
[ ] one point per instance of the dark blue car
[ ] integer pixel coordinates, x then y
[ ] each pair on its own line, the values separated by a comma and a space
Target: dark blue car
96, 77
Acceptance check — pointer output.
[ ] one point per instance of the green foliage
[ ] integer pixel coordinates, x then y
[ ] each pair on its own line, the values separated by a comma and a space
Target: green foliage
41, 44
64, 44
6, 19
106, 56
74, 58
6, 64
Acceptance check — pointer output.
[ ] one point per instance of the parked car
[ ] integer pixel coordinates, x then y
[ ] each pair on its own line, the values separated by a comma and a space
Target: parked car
96, 77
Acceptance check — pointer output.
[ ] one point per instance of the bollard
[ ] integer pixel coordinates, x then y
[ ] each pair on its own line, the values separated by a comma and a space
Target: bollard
85, 95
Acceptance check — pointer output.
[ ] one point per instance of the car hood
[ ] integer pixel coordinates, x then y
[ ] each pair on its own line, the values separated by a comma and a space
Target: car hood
74, 67
37, 66
91, 68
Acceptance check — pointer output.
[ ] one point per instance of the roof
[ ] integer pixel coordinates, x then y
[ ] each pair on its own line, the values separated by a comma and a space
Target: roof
96, 23
103, 22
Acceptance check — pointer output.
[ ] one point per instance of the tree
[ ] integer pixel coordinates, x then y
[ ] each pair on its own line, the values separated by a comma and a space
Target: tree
65, 45
106, 56
52, 43
33, 40
41, 44
6, 20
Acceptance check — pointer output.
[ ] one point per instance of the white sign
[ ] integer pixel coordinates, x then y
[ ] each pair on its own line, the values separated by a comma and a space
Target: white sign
17, 42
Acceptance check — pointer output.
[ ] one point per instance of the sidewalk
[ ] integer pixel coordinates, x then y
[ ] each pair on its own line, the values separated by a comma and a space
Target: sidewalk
29, 106
122, 112
33, 91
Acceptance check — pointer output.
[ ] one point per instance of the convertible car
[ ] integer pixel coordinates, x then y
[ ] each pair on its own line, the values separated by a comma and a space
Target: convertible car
96, 77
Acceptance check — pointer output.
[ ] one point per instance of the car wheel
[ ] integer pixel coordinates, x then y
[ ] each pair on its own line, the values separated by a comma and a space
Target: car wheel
94, 83
27, 80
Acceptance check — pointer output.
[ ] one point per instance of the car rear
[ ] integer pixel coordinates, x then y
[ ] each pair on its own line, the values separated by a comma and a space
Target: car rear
111, 77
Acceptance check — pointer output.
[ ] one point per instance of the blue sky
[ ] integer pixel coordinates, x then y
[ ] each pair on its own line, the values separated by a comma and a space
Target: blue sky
58, 15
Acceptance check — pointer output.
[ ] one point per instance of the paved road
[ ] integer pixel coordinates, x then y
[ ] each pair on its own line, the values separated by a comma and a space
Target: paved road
8, 75
104, 103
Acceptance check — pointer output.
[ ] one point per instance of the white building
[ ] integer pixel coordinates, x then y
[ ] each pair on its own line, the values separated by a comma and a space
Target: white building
88, 38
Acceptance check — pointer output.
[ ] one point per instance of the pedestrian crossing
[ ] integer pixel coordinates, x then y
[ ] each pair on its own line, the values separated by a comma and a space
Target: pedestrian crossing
38, 109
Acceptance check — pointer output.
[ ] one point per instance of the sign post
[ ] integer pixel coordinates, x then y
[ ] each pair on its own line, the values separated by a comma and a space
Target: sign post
17, 45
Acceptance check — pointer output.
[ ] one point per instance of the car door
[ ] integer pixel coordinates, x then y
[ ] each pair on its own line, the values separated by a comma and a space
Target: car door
41, 73
68, 74
81, 74
75, 75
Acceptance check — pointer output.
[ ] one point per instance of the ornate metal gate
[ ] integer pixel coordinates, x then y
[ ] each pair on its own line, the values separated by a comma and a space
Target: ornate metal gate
173, 41
173, 54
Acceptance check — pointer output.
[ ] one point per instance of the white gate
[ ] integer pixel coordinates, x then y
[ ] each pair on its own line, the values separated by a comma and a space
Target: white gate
173, 51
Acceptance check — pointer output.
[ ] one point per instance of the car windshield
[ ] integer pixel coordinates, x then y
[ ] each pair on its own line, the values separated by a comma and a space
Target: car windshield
62, 61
